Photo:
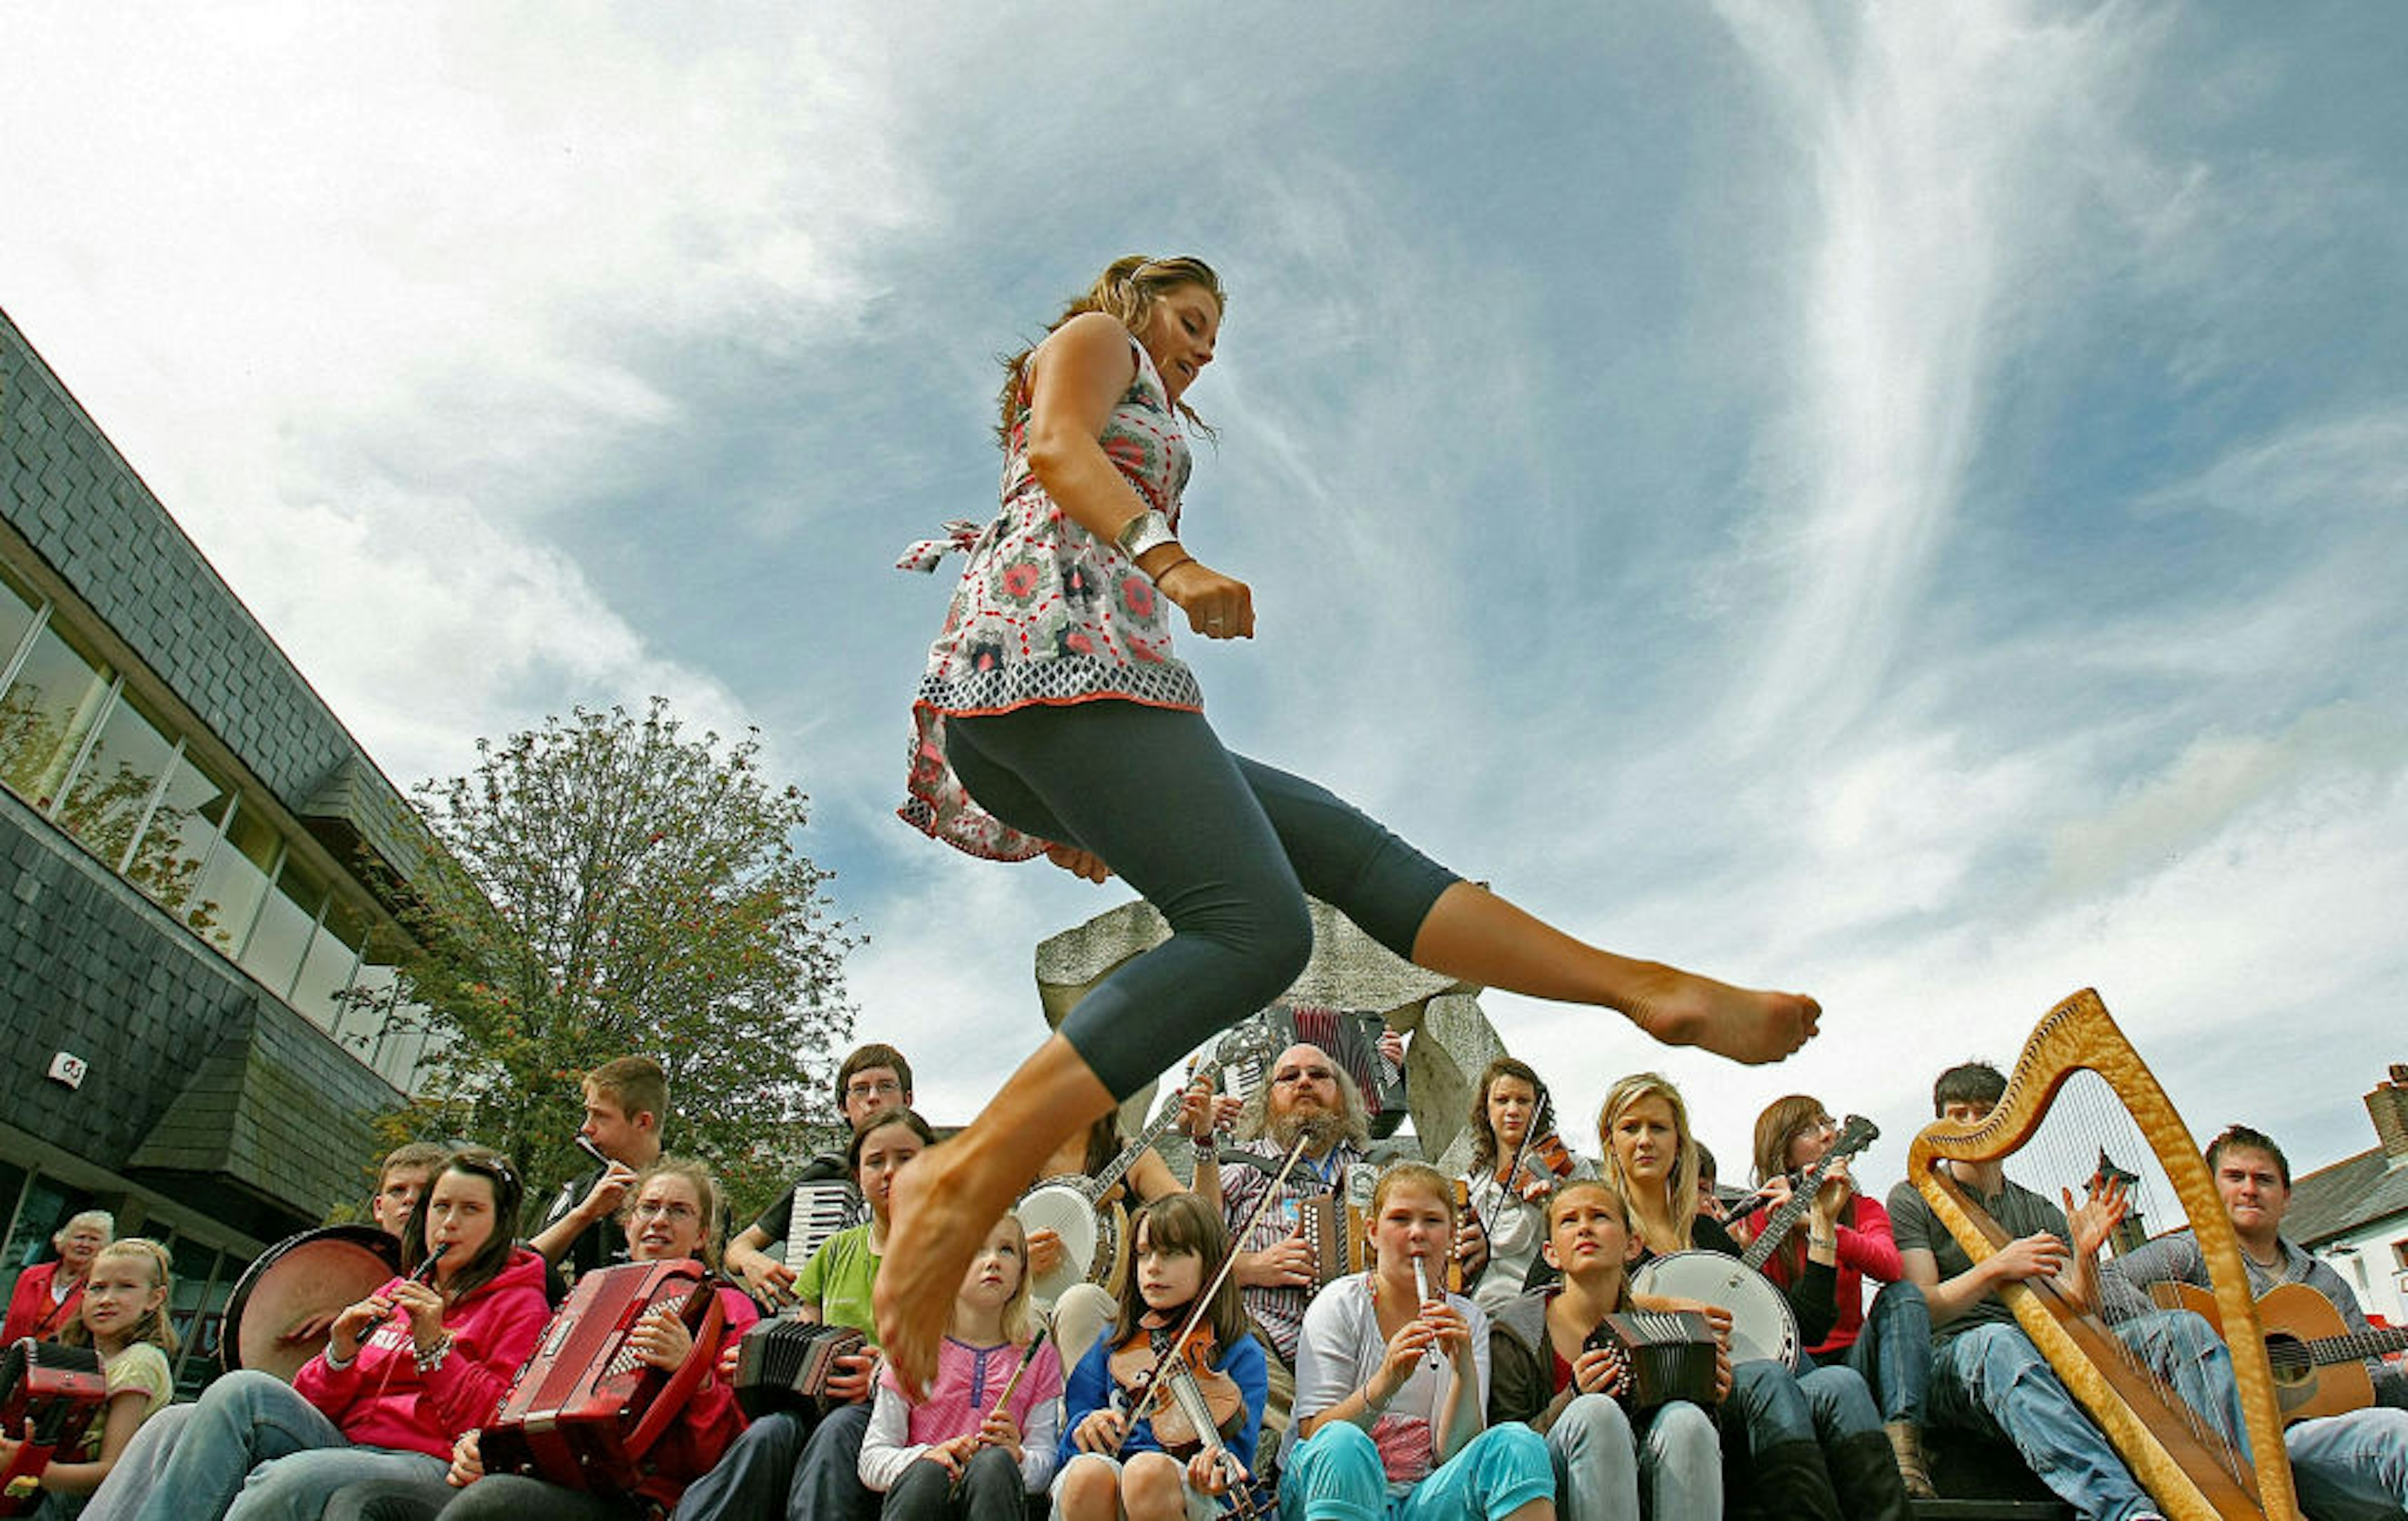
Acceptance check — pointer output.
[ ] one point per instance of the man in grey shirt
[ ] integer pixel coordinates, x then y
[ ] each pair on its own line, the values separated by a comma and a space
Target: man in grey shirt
1988, 1376
2348, 1466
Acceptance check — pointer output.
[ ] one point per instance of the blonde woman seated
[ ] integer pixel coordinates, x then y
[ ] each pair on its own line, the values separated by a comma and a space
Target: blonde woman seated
1813, 1444
1392, 1388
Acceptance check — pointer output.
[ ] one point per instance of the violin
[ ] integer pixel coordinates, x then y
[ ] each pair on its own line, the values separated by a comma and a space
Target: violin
1174, 1427
1541, 1158
1187, 1400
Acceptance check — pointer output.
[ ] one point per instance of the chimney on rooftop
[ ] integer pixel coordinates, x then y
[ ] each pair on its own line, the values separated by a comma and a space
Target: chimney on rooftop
2387, 1105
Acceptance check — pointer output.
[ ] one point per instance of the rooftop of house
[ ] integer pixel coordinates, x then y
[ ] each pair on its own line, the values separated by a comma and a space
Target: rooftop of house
2354, 1192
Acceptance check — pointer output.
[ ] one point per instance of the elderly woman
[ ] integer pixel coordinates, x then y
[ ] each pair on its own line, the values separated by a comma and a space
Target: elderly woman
1053, 720
48, 1293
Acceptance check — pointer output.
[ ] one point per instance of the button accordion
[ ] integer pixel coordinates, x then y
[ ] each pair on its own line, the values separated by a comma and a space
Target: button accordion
1338, 1227
585, 1411
786, 1365
1672, 1355
59, 1389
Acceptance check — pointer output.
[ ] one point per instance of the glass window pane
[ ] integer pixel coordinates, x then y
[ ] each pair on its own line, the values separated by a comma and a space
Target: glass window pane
286, 918
227, 896
399, 1053
326, 967
110, 792
365, 1006
183, 825
19, 607
204, 1279
48, 708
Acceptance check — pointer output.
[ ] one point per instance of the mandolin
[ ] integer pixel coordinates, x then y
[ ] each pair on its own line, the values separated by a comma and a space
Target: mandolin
2319, 1362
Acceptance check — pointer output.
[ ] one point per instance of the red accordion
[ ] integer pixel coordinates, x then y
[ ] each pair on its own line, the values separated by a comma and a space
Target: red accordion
58, 1389
585, 1412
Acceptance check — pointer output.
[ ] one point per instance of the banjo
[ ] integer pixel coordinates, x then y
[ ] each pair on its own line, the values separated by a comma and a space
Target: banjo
1763, 1326
1069, 1204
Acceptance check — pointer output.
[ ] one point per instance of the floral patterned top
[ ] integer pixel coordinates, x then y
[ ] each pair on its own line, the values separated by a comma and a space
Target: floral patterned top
1047, 612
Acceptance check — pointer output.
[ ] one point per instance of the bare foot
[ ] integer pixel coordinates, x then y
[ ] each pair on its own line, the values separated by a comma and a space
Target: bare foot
937, 1218
1682, 1009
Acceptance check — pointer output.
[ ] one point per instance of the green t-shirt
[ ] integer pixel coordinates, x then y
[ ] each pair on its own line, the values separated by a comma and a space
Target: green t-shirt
838, 1279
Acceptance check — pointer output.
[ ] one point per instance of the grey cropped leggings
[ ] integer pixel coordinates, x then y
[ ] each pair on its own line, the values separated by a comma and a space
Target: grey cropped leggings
1224, 846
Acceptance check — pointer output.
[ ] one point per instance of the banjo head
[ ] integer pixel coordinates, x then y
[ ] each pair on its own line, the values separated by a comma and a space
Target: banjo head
1061, 1205
1763, 1327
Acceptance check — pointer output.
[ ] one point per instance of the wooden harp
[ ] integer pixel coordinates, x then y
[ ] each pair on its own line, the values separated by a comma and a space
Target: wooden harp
2183, 1462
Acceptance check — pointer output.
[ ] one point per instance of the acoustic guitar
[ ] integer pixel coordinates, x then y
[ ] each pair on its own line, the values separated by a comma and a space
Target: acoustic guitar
2319, 1362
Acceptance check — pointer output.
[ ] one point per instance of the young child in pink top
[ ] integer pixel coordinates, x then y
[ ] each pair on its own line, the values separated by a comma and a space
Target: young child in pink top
966, 1453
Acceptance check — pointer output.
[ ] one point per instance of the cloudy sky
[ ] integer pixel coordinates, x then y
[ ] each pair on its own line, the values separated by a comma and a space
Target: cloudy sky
1909, 502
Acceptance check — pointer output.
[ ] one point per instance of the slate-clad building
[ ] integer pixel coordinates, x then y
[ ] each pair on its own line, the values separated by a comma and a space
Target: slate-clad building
195, 959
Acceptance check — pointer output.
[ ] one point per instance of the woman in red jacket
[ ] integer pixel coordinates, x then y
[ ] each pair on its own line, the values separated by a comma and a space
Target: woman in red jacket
407, 1369
674, 1213
48, 1293
1890, 1346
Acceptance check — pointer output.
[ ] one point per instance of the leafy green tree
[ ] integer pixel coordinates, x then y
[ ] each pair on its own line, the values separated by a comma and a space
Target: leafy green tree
605, 887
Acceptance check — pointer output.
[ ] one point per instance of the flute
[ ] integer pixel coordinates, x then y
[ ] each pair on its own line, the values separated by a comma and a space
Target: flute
1420, 1286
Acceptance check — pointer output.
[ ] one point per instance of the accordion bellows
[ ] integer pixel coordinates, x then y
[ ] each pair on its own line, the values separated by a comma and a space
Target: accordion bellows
1671, 1355
785, 1365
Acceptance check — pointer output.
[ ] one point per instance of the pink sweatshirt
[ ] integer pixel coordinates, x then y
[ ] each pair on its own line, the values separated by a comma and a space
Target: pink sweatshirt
381, 1400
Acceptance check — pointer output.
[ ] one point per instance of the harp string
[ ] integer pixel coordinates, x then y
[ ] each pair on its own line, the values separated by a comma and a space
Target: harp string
2087, 1137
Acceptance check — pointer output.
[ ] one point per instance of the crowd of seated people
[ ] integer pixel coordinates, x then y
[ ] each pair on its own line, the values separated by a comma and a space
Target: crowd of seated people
1467, 1364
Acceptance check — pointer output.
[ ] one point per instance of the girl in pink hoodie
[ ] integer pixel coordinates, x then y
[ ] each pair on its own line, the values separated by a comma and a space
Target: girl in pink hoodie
407, 1369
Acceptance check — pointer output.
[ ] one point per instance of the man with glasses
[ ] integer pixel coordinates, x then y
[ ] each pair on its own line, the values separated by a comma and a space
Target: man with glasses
874, 1077
1310, 1097
2350, 1464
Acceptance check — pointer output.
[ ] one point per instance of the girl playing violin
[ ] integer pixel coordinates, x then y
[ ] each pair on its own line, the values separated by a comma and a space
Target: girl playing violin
1391, 1387
1178, 1243
971, 1450
1518, 1159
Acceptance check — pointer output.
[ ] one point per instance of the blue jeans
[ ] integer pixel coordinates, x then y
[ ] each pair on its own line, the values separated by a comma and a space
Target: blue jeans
1893, 1352
1994, 1381
778, 1467
1335, 1475
2352, 1466
1603, 1463
1227, 865
253, 1450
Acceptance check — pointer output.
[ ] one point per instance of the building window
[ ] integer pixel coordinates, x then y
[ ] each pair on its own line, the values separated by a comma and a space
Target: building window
49, 708
226, 898
191, 809
327, 966
287, 918
108, 799
20, 611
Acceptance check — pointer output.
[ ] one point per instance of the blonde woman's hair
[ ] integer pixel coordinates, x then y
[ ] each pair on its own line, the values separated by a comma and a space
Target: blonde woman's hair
1125, 291
154, 1327
706, 1188
1683, 1186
